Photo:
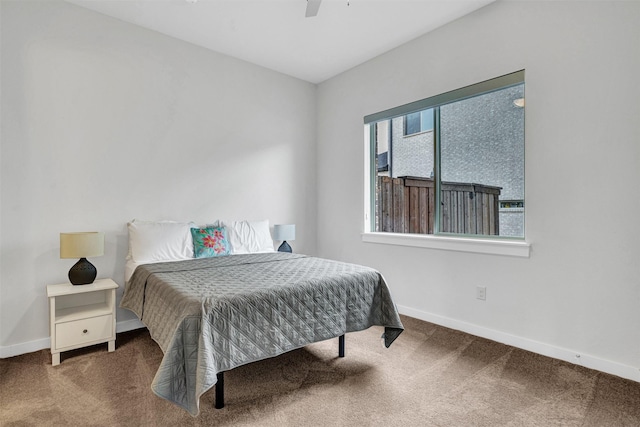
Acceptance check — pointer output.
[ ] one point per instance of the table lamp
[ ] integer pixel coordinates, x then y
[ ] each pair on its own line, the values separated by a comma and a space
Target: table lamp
284, 232
82, 245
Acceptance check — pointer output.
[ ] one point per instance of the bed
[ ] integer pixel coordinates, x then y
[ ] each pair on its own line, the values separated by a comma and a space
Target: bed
211, 314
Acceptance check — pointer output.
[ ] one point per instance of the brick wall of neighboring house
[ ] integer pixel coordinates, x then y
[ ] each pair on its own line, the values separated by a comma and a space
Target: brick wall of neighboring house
412, 155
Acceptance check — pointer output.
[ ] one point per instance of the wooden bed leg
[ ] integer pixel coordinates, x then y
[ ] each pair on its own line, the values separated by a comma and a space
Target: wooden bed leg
341, 346
220, 391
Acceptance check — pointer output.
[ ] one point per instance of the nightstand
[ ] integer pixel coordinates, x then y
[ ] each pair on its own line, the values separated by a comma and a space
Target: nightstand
81, 315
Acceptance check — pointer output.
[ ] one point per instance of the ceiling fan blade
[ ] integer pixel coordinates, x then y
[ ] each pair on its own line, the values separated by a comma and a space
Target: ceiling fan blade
312, 8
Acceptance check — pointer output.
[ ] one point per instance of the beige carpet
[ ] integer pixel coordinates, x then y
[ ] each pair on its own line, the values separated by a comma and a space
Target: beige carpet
431, 376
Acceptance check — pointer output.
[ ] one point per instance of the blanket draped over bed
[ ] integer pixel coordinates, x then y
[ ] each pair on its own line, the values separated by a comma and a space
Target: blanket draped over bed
210, 315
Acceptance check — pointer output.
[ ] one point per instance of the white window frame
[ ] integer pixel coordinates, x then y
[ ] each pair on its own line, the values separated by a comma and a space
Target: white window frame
495, 245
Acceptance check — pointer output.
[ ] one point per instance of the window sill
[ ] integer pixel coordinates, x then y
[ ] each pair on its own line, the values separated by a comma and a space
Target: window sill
460, 244
411, 135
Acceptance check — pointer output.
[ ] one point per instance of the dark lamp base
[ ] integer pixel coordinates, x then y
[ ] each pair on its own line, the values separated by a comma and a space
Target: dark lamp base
284, 247
82, 273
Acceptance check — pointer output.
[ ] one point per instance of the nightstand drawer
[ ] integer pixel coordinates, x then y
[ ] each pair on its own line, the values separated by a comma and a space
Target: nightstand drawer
83, 331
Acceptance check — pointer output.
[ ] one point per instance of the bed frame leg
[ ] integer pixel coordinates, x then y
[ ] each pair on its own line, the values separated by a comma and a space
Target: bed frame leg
219, 391
220, 376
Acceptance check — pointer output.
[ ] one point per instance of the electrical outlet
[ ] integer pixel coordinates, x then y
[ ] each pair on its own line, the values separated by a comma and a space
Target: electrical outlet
481, 292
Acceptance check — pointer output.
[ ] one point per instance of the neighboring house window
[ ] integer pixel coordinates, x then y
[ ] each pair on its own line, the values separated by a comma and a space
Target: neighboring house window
383, 162
451, 164
420, 121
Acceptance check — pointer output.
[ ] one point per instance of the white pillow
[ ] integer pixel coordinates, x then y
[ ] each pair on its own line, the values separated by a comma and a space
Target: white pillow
248, 237
154, 241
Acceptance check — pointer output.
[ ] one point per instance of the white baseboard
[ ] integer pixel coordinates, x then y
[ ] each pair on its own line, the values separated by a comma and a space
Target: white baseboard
36, 345
588, 361
577, 358
25, 347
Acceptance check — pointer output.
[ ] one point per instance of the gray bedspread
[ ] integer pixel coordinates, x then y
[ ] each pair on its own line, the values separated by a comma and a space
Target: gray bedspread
210, 315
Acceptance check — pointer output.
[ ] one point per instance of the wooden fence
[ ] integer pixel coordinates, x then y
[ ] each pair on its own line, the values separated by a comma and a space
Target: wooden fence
407, 205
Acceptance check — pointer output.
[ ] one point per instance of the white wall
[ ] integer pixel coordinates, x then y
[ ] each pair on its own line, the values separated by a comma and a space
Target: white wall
579, 292
103, 122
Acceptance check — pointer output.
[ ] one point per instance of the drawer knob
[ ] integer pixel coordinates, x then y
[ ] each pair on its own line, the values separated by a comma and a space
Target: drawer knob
85, 331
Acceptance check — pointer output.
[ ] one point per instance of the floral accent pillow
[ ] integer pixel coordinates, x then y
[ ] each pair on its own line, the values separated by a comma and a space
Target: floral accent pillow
210, 242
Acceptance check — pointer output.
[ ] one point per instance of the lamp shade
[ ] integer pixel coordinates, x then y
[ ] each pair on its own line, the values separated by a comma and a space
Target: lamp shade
81, 245
284, 232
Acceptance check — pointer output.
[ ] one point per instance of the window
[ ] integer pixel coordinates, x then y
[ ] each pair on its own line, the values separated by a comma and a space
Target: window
452, 164
421, 121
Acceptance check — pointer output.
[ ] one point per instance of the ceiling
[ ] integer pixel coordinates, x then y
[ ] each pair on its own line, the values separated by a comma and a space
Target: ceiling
275, 33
